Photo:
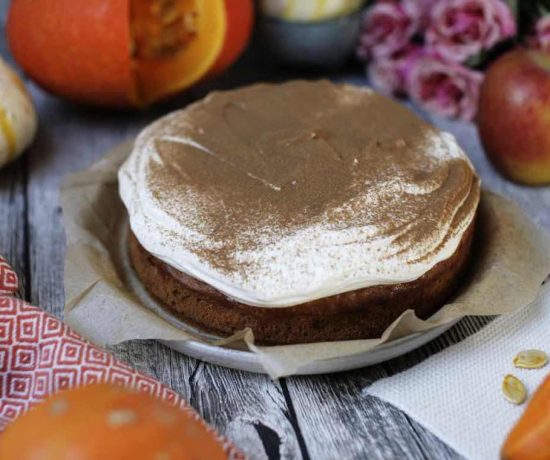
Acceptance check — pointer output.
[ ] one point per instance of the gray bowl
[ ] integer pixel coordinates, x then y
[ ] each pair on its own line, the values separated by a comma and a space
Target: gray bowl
326, 44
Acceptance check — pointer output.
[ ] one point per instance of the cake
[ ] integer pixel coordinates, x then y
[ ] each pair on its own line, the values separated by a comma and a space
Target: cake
306, 211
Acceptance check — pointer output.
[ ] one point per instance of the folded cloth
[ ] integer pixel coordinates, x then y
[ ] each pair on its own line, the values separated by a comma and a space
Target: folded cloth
40, 355
456, 394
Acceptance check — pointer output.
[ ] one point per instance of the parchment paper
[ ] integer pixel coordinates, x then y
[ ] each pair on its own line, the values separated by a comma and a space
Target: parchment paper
511, 258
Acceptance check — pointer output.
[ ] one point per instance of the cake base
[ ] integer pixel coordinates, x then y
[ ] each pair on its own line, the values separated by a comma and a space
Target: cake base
360, 314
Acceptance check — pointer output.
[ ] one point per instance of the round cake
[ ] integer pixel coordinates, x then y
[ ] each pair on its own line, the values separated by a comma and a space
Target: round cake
307, 211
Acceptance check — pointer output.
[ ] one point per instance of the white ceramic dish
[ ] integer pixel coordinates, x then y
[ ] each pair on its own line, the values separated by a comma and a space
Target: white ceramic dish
247, 361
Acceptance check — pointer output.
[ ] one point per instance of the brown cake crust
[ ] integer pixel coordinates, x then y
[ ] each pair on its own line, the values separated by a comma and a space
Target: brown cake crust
360, 314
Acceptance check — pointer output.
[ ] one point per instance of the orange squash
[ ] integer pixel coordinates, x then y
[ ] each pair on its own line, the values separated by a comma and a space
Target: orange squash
106, 421
126, 52
530, 438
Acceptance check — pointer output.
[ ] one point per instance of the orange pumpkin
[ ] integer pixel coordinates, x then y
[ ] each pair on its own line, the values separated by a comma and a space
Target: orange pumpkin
105, 421
530, 438
126, 52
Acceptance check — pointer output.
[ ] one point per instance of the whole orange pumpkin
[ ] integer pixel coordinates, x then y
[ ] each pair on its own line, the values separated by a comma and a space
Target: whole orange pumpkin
104, 421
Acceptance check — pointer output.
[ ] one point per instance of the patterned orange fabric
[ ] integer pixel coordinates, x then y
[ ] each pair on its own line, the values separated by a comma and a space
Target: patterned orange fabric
40, 355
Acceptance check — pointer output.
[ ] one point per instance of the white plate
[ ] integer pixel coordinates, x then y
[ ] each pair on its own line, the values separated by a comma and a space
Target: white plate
247, 361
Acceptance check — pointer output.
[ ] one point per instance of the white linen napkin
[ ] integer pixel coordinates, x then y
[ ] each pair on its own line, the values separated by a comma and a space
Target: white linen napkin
456, 394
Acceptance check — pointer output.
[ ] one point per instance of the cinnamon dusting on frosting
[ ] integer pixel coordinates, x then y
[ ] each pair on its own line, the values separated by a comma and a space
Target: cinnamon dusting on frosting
306, 168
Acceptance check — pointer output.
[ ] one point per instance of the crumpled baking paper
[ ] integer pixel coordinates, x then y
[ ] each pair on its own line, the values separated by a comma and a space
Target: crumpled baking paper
106, 304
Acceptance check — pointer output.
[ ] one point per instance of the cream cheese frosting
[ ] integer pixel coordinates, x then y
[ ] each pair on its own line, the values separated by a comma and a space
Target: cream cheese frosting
277, 195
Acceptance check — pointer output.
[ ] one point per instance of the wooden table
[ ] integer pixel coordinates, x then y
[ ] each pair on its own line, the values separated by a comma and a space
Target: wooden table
318, 417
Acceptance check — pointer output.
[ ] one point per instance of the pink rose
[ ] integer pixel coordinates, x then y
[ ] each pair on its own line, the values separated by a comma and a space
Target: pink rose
445, 88
460, 29
387, 28
541, 39
421, 10
390, 75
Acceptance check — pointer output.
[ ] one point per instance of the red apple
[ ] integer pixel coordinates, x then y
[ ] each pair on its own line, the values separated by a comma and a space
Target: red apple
514, 116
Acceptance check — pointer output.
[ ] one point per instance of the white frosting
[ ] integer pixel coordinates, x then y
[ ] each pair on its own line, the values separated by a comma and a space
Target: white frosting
309, 263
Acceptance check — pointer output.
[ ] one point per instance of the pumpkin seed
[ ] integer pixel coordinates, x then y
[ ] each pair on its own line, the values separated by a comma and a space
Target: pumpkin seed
514, 390
531, 359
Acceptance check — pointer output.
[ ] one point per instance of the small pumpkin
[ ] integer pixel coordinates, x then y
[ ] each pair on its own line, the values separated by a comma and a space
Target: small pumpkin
530, 438
105, 421
126, 52
17, 115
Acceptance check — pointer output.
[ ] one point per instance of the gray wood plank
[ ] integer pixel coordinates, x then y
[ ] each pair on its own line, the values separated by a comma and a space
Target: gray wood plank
338, 421
13, 206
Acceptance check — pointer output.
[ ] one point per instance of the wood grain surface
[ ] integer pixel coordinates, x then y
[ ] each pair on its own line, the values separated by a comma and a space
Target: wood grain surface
317, 417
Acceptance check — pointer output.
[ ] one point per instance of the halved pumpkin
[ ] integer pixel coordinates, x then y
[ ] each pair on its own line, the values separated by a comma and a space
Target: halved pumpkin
125, 52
